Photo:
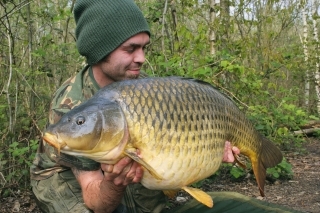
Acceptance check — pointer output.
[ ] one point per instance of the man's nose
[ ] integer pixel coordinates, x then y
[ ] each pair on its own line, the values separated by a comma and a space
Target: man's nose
139, 57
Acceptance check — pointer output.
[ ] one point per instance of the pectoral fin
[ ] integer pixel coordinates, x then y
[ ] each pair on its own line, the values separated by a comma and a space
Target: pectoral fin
199, 195
136, 158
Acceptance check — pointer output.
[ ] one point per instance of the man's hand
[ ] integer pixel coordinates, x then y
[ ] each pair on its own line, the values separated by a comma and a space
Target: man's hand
229, 152
124, 172
102, 190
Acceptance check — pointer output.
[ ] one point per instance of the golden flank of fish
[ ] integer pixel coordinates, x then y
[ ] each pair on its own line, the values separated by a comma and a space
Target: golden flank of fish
174, 127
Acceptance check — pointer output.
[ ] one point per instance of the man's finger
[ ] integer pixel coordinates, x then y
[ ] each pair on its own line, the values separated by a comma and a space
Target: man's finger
228, 155
121, 165
235, 150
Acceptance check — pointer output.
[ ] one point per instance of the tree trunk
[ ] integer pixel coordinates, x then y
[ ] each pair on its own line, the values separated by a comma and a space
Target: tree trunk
163, 48
304, 41
317, 58
225, 23
32, 95
7, 88
212, 36
175, 25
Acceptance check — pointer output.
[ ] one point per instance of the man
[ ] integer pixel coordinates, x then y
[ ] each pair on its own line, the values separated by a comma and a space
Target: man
112, 36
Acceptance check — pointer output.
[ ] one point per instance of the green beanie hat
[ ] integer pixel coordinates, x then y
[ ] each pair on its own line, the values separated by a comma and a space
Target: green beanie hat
103, 25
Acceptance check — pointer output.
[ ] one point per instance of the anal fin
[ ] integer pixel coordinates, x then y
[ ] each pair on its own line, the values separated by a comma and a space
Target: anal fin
199, 195
239, 162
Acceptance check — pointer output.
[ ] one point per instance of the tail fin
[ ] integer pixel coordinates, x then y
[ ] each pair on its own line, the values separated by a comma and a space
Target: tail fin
269, 156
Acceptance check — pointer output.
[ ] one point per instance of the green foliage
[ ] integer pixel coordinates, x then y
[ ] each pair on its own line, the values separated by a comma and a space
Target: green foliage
23, 153
278, 122
17, 159
282, 171
237, 172
200, 183
43, 55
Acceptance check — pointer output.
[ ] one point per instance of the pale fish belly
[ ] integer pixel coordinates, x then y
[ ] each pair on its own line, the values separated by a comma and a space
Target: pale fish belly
184, 169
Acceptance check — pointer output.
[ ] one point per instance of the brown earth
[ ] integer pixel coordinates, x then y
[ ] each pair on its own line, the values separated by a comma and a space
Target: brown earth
301, 193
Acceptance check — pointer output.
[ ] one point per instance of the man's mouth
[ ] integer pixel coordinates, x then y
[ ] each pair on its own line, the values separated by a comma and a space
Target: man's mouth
134, 71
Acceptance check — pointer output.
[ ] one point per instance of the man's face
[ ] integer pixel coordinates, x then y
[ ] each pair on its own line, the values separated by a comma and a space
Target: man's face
125, 61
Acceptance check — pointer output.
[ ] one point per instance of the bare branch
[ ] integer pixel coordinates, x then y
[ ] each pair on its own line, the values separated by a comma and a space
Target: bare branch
14, 9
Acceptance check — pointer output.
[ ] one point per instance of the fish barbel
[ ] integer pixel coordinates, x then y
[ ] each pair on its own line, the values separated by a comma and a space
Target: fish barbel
176, 128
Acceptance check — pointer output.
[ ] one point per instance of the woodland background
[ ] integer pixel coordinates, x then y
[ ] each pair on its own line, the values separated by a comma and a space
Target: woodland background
264, 54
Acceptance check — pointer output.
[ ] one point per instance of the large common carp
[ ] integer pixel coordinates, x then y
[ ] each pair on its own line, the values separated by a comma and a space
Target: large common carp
176, 128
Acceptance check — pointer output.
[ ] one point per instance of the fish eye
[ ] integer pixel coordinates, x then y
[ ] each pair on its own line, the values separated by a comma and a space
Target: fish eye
80, 120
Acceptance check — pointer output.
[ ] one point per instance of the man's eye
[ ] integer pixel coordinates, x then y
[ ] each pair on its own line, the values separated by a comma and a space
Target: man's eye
130, 50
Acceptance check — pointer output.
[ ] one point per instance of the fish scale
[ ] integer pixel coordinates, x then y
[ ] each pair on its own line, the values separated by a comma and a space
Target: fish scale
188, 104
174, 127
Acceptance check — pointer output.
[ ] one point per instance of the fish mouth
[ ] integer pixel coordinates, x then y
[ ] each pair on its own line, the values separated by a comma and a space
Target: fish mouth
53, 141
